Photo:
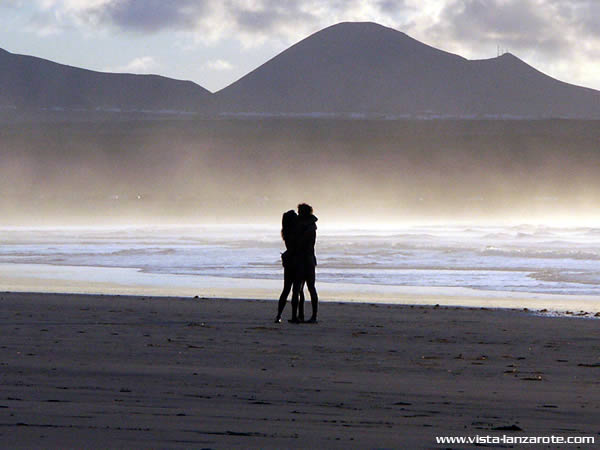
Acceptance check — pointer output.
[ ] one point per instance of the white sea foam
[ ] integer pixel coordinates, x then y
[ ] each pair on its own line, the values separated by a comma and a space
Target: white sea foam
526, 259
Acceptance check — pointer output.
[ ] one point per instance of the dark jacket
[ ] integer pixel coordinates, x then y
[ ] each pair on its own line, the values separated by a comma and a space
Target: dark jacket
307, 237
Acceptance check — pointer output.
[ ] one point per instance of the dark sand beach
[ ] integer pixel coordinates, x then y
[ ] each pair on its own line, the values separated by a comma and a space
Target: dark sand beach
82, 371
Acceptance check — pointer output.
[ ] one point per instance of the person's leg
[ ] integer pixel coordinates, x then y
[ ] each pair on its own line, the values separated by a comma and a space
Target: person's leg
301, 304
314, 298
295, 295
288, 280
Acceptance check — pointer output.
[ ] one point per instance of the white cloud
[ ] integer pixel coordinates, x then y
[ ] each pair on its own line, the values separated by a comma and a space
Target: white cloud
43, 30
555, 36
219, 65
11, 3
250, 21
142, 64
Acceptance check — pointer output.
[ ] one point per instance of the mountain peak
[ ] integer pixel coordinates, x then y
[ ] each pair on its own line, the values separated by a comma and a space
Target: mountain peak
358, 26
364, 67
361, 30
509, 57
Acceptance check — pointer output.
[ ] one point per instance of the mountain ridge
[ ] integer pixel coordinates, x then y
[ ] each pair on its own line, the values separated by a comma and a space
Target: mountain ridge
29, 82
348, 68
379, 70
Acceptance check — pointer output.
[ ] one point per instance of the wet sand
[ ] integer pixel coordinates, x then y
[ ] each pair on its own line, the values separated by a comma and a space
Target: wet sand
131, 372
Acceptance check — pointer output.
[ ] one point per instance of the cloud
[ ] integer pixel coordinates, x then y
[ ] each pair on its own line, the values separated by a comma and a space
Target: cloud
43, 24
582, 14
519, 21
514, 24
11, 3
142, 64
219, 65
560, 37
246, 20
146, 16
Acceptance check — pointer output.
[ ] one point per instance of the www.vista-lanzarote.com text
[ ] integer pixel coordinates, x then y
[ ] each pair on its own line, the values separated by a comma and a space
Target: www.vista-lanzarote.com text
488, 439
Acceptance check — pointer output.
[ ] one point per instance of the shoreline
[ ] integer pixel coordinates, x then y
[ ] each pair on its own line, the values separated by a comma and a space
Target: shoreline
133, 372
48, 278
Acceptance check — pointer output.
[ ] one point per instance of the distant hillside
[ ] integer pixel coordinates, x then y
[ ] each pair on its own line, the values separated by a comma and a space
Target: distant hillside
348, 68
27, 82
368, 68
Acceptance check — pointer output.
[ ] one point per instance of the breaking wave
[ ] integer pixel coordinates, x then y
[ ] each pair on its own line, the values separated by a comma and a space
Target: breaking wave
520, 259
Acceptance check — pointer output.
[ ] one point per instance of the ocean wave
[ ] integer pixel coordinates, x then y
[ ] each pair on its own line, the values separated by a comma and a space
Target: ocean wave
143, 251
526, 258
499, 236
564, 276
529, 253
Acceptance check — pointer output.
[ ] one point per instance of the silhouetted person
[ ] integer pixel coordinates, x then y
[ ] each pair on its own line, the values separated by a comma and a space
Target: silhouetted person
289, 234
306, 261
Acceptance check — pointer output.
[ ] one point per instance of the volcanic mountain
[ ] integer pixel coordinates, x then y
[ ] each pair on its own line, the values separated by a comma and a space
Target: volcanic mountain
367, 68
31, 83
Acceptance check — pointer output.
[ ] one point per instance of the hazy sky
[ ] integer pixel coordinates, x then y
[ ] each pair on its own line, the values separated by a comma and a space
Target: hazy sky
215, 42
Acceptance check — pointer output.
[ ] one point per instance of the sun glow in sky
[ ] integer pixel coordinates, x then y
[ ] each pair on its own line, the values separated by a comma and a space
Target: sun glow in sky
213, 43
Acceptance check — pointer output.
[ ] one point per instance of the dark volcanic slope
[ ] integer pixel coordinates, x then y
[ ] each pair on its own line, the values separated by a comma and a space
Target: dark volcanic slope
365, 67
32, 83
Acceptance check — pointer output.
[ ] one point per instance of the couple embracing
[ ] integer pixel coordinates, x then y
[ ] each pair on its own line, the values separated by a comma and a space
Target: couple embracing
299, 232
